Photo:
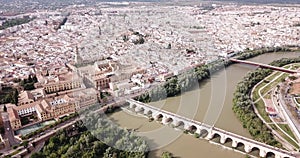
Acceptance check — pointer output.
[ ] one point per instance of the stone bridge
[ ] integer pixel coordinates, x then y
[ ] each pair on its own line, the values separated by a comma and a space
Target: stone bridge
209, 132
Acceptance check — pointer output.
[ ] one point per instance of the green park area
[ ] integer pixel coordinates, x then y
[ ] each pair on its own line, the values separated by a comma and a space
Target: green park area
263, 90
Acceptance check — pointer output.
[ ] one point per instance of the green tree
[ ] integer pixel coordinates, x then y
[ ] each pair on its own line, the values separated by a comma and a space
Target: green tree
166, 155
15, 97
37, 155
29, 86
29, 79
35, 80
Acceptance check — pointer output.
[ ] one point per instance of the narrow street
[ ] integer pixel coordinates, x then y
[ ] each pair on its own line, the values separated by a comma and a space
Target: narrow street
9, 133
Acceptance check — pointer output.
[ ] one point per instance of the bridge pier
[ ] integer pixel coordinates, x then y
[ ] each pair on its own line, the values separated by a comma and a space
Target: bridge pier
166, 120
138, 109
132, 105
279, 156
198, 131
234, 143
210, 135
177, 123
147, 112
153, 116
262, 153
186, 126
222, 139
248, 148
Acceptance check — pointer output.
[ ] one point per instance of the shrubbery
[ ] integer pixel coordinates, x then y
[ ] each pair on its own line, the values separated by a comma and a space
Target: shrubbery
186, 81
242, 103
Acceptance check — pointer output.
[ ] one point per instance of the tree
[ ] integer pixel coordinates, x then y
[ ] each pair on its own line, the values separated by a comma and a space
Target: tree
30, 79
29, 86
37, 155
166, 154
35, 80
15, 97
25, 143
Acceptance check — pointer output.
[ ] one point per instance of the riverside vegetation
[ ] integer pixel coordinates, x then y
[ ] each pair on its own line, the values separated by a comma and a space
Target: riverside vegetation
88, 142
242, 104
243, 107
186, 81
85, 144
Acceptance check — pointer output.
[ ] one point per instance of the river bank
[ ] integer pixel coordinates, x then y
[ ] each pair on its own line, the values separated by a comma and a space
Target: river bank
201, 98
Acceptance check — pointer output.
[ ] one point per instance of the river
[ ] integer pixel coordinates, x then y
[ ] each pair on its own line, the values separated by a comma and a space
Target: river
209, 102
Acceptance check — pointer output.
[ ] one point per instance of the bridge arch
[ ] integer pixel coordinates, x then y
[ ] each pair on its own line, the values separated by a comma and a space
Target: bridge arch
256, 151
203, 133
228, 140
149, 113
140, 109
270, 155
240, 145
223, 136
179, 124
169, 120
159, 117
132, 106
216, 136
192, 129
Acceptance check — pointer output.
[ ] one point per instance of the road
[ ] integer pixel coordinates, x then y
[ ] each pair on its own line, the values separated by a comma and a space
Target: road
9, 133
40, 138
293, 122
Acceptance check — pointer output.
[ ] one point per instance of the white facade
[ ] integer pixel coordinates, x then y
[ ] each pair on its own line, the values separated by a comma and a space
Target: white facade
26, 111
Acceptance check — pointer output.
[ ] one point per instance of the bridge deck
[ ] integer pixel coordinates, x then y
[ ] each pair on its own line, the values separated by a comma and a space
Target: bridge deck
264, 66
212, 127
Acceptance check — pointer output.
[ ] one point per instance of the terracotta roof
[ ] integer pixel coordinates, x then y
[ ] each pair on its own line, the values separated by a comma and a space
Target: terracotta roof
13, 114
45, 105
39, 108
25, 106
26, 96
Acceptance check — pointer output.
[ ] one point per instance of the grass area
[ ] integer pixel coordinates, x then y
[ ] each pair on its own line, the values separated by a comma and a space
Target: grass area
255, 92
297, 100
268, 95
287, 129
265, 92
285, 136
261, 109
272, 76
274, 83
295, 66
275, 74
